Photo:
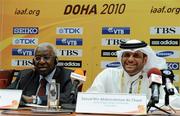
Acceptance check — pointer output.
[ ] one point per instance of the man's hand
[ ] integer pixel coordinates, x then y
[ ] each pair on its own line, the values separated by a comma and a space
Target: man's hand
27, 99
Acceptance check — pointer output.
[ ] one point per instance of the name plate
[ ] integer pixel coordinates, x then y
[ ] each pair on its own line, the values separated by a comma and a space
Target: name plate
107, 103
10, 99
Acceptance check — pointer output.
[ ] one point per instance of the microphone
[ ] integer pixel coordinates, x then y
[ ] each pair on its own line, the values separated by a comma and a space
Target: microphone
130, 89
168, 78
155, 80
77, 78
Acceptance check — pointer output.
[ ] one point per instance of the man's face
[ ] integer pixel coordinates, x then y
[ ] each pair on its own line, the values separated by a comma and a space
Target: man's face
44, 60
133, 62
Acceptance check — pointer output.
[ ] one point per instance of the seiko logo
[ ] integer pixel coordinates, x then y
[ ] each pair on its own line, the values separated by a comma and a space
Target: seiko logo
70, 63
164, 42
164, 53
69, 52
108, 53
21, 62
25, 30
165, 30
173, 65
69, 30
25, 41
23, 52
112, 41
116, 30
69, 41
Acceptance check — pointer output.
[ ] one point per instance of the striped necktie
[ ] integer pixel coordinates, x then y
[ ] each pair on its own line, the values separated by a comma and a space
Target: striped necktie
42, 89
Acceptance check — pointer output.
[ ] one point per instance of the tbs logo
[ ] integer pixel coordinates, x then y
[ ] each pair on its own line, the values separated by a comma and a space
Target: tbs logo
165, 30
69, 41
69, 30
115, 30
23, 52
21, 62
25, 41
25, 30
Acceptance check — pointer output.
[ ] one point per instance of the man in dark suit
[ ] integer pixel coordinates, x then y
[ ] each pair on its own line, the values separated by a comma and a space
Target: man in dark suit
45, 68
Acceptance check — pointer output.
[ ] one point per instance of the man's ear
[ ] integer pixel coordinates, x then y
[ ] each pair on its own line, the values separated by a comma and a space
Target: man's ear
33, 62
145, 59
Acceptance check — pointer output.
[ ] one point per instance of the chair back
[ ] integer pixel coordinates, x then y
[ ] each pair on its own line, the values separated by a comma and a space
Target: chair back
6, 77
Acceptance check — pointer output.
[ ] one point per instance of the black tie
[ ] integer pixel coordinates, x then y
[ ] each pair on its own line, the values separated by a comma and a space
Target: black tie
42, 89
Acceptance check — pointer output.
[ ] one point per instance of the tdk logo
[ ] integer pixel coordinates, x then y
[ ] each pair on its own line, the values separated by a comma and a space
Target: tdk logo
164, 42
115, 30
108, 53
112, 41
69, 30
21, 62
165, 30
113, 65
69, 52
25, 41
70, 63
69, 41
173, 65
164, 53
25, 30
23, 52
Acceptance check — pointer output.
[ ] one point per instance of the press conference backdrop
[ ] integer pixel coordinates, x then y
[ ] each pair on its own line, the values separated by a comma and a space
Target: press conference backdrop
87, 32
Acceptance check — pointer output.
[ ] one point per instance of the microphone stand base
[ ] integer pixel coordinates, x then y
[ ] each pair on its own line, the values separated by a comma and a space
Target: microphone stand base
149, 107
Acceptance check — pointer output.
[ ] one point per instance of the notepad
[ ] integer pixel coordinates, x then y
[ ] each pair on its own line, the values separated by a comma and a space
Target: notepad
10, 99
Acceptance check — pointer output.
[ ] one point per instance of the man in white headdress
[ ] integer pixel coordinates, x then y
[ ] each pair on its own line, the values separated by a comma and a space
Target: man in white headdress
137, 58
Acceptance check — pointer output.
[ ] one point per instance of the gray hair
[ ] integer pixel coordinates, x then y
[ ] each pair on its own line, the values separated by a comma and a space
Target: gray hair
49, 45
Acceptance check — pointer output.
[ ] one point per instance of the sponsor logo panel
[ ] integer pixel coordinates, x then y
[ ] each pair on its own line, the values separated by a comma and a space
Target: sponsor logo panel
165, 30
173, 65
25, 30
25, 41
21, 62
108, 53
69, 30
110, 64
113, 41
168, 54
69, 41
164, 42
70, 63
22, 52
69, 52
116, 30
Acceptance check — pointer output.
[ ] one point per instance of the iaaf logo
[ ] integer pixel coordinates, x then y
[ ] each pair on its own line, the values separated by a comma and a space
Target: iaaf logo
25, 41
22, 52
69, 41
115, 30
173, 65
21, 62
168, 54
165, 30
113, 41
69, 30
25, 30
110, 64
70, 63
108, 53
164, 42
69, 52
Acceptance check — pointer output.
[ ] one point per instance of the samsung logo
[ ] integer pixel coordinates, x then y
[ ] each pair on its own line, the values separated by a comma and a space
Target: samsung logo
69, 41
164, 53
25, 30
110, 64
69, 30
22, 52
115, 30
25, 41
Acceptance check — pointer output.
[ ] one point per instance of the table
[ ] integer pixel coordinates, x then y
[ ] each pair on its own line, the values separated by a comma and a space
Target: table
27, 111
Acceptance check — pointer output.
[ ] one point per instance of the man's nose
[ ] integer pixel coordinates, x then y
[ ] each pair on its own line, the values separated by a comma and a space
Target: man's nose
42, 60
131, 58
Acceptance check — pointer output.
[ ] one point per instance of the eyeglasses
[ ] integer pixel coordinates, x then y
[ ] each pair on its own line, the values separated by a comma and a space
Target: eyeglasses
45, 58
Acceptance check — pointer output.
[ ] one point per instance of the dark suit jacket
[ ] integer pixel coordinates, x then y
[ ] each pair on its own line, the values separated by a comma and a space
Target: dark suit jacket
28, 81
